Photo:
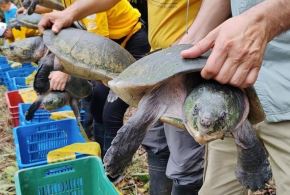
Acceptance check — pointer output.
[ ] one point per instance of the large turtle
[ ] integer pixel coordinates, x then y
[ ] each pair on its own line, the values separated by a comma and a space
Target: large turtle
87, 55
165, 86
30, 5
29, 21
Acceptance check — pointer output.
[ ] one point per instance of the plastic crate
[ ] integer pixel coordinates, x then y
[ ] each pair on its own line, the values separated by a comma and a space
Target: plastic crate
18, 83
41, 115
13, 98
20, 72
3, 60
85, 176
33, 142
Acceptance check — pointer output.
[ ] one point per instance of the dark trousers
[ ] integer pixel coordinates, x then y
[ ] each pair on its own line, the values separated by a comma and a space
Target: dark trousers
108, 116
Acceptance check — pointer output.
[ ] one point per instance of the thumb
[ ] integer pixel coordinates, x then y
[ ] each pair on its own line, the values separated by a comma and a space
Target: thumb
201, 47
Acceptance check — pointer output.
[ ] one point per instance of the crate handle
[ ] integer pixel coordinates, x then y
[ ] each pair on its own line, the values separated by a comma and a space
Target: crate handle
59, 171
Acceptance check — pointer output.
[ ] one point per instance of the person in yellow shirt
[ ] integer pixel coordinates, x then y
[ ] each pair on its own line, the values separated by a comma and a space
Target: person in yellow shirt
13, 34
171, 152
121, 23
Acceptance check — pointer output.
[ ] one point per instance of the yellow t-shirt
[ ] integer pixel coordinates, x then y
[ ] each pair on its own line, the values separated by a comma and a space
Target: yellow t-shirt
23, 33
118, 22
167, 20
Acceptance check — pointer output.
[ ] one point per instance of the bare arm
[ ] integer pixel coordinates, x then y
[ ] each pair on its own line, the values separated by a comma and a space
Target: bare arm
77, 11
239, 43
42, 10
211, 14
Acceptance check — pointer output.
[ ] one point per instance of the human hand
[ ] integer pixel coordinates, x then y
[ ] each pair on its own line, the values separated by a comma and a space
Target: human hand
57, 20
21, 10
58, 80
238, 46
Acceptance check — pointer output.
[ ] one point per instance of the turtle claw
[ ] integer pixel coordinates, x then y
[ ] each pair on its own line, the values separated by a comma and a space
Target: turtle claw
255, 180
112, 96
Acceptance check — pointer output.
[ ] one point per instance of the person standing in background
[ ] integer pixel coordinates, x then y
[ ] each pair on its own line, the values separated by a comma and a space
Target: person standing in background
9, 9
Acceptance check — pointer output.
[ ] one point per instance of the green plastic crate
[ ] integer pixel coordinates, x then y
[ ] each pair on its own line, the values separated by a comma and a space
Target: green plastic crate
84, 176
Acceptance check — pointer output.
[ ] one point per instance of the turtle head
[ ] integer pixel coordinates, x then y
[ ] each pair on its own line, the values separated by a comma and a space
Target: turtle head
25, 51
55, 100
210, 111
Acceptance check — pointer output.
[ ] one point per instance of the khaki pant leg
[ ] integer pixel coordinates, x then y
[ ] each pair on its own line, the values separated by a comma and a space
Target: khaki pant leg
219, 173
276, 137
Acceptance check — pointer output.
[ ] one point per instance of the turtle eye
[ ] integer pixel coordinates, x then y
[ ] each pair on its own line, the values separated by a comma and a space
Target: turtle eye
223, 115
195, 110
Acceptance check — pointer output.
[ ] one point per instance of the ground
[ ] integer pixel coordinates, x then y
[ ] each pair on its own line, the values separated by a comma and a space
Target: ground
136, 181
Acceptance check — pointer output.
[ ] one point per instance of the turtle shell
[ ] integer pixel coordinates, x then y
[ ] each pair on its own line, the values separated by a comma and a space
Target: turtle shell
30, 21
87, 55
78, 88
156, 68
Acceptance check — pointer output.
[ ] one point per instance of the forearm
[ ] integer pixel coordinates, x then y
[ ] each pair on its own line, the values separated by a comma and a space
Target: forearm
275, 14
83, 8
42, 10
211, 14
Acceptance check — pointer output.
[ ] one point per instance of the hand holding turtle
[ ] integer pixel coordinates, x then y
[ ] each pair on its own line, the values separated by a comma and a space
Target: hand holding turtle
57, 20
58, 80
21, 10
238, 46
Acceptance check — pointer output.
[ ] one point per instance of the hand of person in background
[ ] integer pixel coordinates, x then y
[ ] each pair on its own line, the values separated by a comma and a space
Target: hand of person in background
238, 46
21, 10
57, 20
58, 80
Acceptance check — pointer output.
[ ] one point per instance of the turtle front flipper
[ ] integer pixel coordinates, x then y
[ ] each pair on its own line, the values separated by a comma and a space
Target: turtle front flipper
253, 168
131, 134
32, 6
32, 109
41, 82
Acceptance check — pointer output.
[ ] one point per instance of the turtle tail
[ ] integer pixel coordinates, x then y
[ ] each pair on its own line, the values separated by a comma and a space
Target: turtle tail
253, 168
32, 109
131, 134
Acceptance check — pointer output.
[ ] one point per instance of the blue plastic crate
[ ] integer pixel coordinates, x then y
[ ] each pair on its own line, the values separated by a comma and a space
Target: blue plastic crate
41, 115
33, 142
3, 60
20, 72
18, 83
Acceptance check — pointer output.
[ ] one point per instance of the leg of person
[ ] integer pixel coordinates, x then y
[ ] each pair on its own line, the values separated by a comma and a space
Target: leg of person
138, 44
276, 138
185, 164
219, 169
98, 100
113, 115
158, 154
88, 118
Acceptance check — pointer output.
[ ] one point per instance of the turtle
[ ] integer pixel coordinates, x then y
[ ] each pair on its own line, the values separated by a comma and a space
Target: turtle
87, 55
27, 50
25, 20
168, 88
76, 88
81, 54
30, 5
